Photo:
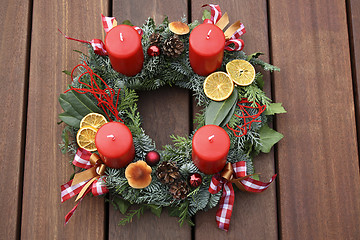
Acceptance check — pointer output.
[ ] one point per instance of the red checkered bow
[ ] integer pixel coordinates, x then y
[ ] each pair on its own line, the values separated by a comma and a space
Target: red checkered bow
225, 180
233, 43
110, 22
92, 179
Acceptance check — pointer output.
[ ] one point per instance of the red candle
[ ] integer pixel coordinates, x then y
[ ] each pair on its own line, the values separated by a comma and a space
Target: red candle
206, 48
115, 144
210, 147
123, 44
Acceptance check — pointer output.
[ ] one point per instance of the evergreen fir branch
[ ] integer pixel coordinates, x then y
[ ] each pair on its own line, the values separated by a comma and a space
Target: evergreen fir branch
129, 217
128, 98
199, 199
213, 200
266, 66
199, 120
254, 94
184, 214
132, 119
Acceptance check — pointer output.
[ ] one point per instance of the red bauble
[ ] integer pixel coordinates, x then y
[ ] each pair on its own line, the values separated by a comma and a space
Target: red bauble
195, 180
152, 158
153, 51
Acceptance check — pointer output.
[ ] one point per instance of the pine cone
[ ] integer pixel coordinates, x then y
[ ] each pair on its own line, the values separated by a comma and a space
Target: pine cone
173, 47
155, 39
167, 172
179, 189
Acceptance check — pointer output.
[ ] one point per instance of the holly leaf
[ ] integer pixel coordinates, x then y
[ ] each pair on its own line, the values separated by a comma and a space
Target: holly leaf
274, 108
268, 138
121, 204
69, 120
155, 209
254, 55
206, 14
216, 112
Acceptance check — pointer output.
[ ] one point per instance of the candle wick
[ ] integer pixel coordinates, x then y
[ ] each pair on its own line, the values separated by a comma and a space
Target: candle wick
111, 136
208, 35
121, 37
211, 138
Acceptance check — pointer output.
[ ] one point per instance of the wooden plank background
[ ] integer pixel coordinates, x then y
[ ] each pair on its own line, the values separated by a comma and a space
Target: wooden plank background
318, 159
14, 48
317, 193
45, 167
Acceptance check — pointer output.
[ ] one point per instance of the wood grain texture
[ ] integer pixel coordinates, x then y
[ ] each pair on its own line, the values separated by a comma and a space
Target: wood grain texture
318, 159
254, 215
14, 38
45, 167
353, 8
164, 111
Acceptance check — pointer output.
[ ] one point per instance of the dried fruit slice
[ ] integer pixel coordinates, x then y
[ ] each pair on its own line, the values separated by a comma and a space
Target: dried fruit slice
241, 72
95, 120
218, 86
86, 138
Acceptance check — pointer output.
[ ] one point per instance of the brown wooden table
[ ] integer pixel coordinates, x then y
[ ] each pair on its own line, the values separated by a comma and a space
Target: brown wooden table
315, 43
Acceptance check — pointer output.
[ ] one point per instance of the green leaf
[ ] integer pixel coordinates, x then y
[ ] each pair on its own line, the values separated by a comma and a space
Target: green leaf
259, 80
155, 209
121, 204
216, 112
206, 15
81, 103
268, 137
254, 55
274, 108
69, 120
127, 22
65, 137
256, 177
229, 116
66, 105
67, 72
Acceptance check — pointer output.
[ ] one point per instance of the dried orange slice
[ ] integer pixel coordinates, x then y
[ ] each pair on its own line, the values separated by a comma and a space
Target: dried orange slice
95, 120
86, 138
218, 86
241, 72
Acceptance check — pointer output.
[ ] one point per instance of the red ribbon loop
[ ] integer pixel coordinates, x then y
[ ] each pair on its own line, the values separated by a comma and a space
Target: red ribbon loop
234, 43
243, 181
98, 187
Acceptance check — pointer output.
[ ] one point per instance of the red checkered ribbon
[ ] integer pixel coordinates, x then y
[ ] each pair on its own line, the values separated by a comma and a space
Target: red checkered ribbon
97, 44
108, 23
233, 43
215, 12
94, 179
224, 181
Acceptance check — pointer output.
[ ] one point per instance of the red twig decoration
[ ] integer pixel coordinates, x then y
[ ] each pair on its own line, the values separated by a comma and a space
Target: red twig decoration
246, 116
105, 97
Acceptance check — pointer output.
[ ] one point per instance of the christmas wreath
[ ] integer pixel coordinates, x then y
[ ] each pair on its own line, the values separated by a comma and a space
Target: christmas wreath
113, 153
